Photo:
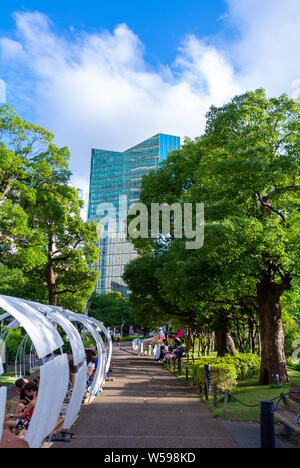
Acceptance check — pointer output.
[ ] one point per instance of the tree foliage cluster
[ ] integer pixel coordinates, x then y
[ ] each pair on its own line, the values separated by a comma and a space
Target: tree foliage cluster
45, 246
112, 309
245, 169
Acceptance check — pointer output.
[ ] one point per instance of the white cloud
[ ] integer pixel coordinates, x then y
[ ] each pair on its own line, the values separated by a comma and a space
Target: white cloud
267, 51
97, 90
2, 92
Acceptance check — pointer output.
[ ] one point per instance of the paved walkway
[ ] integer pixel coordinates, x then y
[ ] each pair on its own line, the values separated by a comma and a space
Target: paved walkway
146, 407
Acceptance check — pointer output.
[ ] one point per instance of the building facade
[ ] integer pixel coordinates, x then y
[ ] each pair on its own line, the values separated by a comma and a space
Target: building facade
114, 186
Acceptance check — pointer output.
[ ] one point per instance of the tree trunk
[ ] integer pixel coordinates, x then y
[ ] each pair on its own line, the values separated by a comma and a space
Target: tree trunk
52, 287
199, 345
272, 335
208, 346
224, 343
203, 344
251, 324
239, 336
51, 276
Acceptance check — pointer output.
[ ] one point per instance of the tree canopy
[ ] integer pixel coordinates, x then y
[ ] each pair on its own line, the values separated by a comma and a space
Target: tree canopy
245, 169
112, 309
41, 231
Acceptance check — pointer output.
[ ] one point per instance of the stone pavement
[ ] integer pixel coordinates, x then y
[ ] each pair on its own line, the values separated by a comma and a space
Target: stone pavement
146, 407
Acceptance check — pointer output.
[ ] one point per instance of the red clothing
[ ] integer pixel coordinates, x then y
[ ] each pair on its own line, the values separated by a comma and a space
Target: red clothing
31, 412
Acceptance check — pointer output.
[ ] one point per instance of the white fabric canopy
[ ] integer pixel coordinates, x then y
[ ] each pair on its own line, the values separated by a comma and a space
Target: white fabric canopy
108, 337
77, 396
100, 371
3, 396
72, 334
78, 358
42, 334
52, 391
2, 356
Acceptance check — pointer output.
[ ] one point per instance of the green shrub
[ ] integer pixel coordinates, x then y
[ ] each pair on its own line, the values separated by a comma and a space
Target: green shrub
223, 374
128, 339
227, 371
247, 365
12, 344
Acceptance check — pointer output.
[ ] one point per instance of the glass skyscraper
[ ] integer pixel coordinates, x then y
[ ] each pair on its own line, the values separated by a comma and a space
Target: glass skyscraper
115, 175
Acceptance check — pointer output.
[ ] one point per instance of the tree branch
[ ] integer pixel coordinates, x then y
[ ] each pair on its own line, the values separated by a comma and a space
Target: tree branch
72, 291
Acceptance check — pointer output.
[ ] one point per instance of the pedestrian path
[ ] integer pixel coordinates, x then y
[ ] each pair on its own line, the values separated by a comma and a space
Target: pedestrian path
146, 407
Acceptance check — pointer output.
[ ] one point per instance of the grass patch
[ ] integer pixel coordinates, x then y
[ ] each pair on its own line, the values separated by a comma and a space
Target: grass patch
247, 391
8, 379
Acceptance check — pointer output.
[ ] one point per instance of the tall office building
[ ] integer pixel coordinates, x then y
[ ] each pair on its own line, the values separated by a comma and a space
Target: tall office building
115, 176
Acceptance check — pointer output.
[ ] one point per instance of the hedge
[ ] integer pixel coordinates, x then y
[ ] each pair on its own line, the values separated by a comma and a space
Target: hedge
227, 371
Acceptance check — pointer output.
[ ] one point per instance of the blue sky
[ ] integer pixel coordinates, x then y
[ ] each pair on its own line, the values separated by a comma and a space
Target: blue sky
159, 23
111, 74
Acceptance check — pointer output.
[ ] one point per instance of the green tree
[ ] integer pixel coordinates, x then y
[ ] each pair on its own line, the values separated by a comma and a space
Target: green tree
150, 308
111, 309
69, 246
41, 230
245, 169
14, 283
28, 160
251, 189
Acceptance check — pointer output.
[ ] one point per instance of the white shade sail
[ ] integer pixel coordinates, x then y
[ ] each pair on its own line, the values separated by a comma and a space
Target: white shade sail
3, 396
54, 379
77, 396
108, 337
72, 334
100, 371
37, 320
42, 334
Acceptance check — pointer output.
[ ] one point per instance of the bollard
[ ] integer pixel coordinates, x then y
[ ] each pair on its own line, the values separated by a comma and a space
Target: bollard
267, 429
207, 374
186, 373
276, 380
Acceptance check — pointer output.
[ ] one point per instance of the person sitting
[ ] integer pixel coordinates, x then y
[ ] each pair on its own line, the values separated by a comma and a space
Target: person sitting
162, 350
179, 348
72, 373
96, 358
22, 419
90, 366
24, 399
169, 355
